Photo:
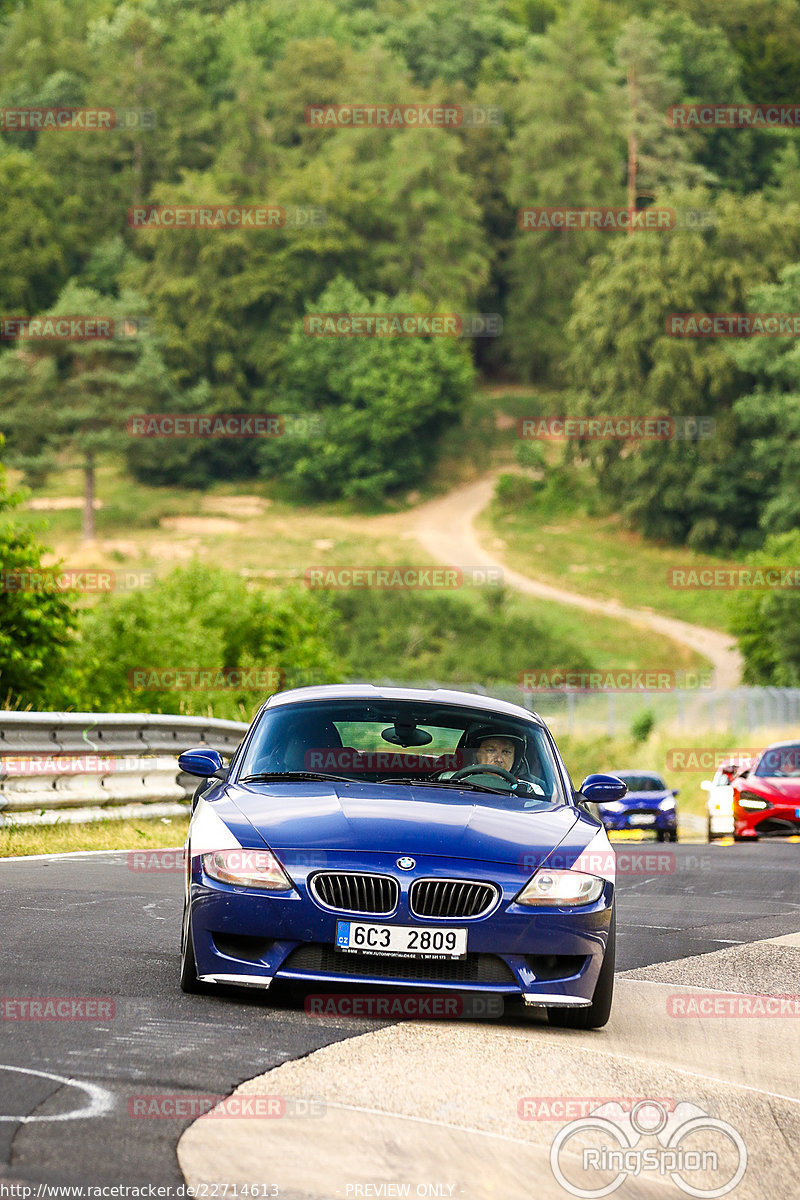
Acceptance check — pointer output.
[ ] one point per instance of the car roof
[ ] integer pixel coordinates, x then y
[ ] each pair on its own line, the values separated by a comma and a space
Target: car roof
370, 691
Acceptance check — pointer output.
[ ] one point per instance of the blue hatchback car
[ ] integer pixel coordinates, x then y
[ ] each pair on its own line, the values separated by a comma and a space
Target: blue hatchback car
648, 805
399, 838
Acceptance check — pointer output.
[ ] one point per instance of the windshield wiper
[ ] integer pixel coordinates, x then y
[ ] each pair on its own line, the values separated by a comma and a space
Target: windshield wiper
459, 785
293, 776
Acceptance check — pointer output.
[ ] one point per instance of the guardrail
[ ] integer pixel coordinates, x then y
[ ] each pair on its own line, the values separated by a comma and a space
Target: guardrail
87, 766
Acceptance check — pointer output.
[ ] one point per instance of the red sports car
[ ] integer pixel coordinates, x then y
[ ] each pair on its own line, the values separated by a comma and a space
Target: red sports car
766, 796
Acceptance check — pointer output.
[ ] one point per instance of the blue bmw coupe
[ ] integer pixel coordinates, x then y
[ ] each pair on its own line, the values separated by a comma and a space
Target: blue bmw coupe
401, 838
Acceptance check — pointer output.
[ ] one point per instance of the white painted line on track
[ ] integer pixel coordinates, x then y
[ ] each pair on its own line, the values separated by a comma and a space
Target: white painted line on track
101, 1101
12, 858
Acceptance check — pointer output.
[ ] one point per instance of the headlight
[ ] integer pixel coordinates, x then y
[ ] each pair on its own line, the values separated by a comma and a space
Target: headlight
752, 801
613, 806
247, 868
561, 887
667, 802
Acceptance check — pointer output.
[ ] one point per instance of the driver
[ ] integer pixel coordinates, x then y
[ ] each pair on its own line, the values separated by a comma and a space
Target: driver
496, 751
504, 749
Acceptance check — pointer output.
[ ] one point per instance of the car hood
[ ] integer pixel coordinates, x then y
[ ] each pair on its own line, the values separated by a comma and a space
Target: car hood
773, 788
399, 820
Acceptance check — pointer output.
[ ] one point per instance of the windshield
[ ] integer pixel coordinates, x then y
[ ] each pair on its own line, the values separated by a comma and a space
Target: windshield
780, 762
389, 741
642, 783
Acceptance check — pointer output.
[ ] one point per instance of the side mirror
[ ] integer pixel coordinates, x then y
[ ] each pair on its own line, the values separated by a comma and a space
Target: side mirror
706, 785
602, 789
676, 791
202, 761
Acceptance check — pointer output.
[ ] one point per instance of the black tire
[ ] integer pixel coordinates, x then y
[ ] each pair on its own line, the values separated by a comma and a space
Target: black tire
673, 835
597, 1013
712, 837
189, 981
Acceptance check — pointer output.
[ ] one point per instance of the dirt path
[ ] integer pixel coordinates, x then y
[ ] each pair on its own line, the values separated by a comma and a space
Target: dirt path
445, 527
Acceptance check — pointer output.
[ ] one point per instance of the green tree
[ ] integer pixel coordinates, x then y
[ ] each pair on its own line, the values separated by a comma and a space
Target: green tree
75, 395
623, 361
769, 416
36, 619
766, 621
381, 404
37, 234
568, 150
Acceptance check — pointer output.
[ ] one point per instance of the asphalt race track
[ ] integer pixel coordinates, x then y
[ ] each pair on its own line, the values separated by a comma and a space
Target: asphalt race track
89, 926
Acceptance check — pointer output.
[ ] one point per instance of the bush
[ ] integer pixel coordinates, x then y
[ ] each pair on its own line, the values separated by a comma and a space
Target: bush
201, 618
35, 627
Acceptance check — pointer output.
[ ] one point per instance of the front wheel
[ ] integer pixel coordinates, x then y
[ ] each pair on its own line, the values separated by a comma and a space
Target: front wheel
189, 981
595, 1015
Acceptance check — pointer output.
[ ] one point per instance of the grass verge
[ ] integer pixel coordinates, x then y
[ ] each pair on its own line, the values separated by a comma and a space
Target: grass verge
148, 834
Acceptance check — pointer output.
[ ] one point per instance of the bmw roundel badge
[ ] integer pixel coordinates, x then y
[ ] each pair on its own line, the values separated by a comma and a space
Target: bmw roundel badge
406, 864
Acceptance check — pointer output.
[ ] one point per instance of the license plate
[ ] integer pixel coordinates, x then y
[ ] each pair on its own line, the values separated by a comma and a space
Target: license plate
415, 941
642, 819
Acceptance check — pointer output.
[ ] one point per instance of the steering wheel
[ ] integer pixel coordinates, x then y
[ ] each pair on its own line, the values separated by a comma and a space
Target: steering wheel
483, 769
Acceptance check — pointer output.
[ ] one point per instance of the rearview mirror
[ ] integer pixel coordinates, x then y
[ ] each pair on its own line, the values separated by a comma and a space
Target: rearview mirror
602, 789
706, 785
202, 761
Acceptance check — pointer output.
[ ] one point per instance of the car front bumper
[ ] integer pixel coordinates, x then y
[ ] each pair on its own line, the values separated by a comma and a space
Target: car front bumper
252, 937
